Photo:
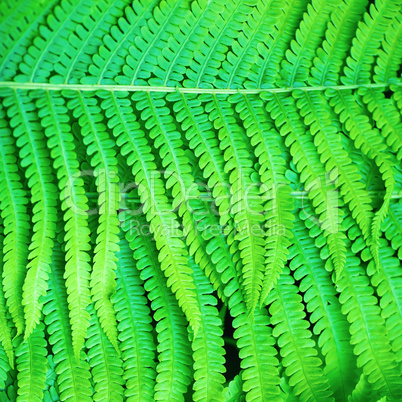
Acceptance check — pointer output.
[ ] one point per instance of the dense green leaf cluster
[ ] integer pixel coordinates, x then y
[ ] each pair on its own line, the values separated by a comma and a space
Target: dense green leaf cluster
200, 200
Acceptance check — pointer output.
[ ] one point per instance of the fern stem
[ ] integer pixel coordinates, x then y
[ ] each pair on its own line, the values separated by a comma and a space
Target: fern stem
206, 197
166, 89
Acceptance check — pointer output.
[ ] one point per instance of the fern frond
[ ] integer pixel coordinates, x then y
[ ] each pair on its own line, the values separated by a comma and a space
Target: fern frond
35, 158
216, 227
238, 62
72, 375
174, 359
325, 311
275, 187
83, 42
190, 112
31, 365
105, 363
53, 112
100, 147
316, 112
385, 279
219, 28
18, 32
4, 368
13, 205
298, 59
180, 181
203, 129
163, 222
271, 51
219, 248
387, 118
260, 376
372, 345
312, 172
341, 28
135, 331
259, 363
392, 227
177, 48
51, 392
363, 391
388, 60
233, 392
108, 61
207, 345
388, 282
145, 49
371, 143
299, 355
367, 40
49, 41
246, 203
5, 328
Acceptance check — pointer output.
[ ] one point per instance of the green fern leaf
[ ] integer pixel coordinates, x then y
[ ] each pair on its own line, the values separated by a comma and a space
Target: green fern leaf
83, 41
18, 31
207, 345
388, 283
272, 50
5, 329
275, 187
163, 223
53, 111
387, 62
208, 159
108, 61
260, 376
233, 391
13, 205
259, 363
221, 25
367, 40
238, 62
31, 365
169, 55
372, 145
372, 345
393, 227
179, 180
316, 113
202, 140
325, 312
72, 375
303, 366
145, 49
105, 363
174, 359
341, 28
246, 203
47, 47
387, 117
35, 158
135, 330
299, 57
312, 173
103, 160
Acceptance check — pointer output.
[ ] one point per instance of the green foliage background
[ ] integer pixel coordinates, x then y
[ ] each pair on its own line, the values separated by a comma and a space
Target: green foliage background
255, 250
